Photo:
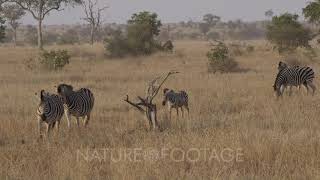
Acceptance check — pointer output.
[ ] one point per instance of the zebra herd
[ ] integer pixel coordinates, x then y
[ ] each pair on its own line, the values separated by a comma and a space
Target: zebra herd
80, 103
69, 102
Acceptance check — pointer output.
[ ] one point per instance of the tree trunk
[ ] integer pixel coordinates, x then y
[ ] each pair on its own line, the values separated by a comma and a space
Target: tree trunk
40, 40
15, 37
92, 35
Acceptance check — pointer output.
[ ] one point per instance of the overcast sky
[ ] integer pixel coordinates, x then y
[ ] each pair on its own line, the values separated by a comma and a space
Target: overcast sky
179, 10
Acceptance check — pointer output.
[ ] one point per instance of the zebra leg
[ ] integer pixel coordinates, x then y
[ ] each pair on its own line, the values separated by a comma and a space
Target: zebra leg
48, 129
177, 109
290, 91
282, 88
313, 87
87, 120
67, 114
306, 85
78, 123
187, 107
39, 126
182, 112
58, 125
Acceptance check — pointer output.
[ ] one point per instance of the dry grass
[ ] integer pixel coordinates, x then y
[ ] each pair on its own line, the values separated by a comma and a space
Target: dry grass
279, 139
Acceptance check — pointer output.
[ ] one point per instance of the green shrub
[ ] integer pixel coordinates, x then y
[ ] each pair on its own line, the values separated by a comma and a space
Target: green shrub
220, 60
286, 33
139, 39
54, 60
116, 45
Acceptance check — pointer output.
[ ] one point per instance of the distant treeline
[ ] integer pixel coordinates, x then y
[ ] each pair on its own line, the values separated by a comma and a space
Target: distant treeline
74, 34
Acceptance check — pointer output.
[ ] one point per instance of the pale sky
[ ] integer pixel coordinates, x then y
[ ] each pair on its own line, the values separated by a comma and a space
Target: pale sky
179, 10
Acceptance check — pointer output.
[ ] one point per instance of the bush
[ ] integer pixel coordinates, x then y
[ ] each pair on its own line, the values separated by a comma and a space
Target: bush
139, 39
117, 45
250, 49
287, 33
68, 37
219, 59
54, 60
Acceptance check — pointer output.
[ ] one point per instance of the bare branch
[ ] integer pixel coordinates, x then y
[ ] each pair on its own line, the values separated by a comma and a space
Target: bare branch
154, 94
26, 7
136, 105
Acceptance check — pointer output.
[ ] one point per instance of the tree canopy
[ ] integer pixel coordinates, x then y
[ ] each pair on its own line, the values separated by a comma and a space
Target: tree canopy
287, 33
312, 12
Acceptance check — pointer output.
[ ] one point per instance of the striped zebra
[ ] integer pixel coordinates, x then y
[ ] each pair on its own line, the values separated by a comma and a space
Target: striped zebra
175, 100
50, 110
76, 103
293, 76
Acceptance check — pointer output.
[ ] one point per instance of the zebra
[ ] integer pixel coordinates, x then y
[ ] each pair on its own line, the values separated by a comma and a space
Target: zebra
50, 110
293, 76
175, 100
76, 103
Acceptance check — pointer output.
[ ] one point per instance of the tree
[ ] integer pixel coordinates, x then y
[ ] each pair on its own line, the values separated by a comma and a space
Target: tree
39, 9
269, 13
13, 13
142, 29
146, 105
211, 19
312, 12
93, 17
287, 33
2, 29
139, 39
30, 35
204, 28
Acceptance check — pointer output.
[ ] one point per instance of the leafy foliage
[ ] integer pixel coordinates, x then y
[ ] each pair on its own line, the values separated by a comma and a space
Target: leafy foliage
69, 37
30, 35
117, 45
142, 30
287, 34
220, 60
12, 13
211, 19
312, 12
54, 60
139, 39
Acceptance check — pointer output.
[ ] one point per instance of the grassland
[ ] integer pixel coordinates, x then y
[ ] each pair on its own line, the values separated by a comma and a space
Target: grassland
277, 139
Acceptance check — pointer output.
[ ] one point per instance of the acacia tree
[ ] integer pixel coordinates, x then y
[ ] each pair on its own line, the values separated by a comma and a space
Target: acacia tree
312, 12
13, 13
211, 19
39, 9
269, 13
93, 17
287, 33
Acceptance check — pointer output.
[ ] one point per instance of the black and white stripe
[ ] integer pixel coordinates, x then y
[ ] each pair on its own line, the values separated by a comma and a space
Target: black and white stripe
77, 103
175, 100
50, 110
293, 76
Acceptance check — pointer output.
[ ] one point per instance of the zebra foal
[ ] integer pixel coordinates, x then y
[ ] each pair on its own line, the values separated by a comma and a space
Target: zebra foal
76, 103
293, 76
50, 110
175, 100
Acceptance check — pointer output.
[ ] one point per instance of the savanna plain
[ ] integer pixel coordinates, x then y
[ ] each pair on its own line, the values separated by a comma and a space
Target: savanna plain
230, 114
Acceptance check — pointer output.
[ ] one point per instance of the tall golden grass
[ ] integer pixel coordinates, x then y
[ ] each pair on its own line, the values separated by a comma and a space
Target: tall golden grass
278, 139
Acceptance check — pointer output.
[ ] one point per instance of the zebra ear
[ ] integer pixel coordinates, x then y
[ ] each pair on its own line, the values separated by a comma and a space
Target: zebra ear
42, 94
165, 90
